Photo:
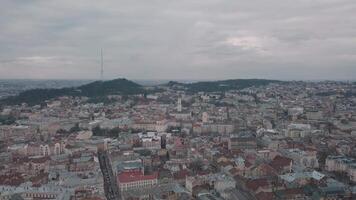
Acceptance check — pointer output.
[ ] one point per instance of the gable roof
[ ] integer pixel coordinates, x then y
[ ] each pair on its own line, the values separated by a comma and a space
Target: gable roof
257, 183
279, 162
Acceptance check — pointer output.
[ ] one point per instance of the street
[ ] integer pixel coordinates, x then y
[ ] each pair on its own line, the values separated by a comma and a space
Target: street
110, 184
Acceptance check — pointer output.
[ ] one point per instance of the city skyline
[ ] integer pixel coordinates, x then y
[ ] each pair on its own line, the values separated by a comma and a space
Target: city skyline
178, 100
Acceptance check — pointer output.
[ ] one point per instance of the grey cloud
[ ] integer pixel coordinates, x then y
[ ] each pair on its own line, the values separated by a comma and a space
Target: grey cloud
200, 39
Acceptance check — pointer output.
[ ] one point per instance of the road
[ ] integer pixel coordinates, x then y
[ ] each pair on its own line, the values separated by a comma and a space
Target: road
110, 184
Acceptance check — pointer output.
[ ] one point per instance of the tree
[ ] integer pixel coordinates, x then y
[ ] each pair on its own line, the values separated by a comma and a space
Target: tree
197, 165
144, 152
7, 119
62, 132
75, 128
97, 131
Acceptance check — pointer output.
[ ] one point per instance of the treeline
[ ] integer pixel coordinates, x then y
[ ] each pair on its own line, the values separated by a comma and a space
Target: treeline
93, 90
97, 90
113, 133
117, 86
332, 93
225, 85
38, 96
97, 131
7, 120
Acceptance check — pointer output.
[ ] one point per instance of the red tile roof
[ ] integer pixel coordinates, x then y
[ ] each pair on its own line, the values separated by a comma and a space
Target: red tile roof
181, 174
39, 179
267, 169
39, 159
233, 171
279, 162
248, 164
127, 177
94, 198
265, 196
293, 191
12, 179
257, 183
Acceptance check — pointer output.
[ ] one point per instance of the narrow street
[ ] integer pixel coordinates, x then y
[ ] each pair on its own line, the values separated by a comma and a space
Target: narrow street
110, 184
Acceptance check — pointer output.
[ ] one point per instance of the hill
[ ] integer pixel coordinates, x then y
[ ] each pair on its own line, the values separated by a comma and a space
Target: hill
116, 86
99, 89
94, 89
224, 85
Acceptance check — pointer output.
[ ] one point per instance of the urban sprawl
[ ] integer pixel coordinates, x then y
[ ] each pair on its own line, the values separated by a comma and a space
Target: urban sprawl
283, 140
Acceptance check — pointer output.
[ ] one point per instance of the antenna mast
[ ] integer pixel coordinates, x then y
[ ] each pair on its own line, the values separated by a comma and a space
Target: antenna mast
102, 66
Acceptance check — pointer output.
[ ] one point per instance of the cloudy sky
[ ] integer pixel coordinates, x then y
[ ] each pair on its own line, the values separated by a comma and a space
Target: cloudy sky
178, 39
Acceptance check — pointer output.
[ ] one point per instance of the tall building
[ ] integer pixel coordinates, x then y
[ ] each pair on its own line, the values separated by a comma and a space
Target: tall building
205, 117
179, 104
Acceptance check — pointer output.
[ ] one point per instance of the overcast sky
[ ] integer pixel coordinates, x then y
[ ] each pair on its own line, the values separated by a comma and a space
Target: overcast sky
178, 39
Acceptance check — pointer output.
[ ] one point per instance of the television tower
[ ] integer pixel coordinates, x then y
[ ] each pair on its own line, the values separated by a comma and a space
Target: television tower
102, 66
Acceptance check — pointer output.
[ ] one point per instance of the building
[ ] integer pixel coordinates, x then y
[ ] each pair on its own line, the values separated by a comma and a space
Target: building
206, 128
241, 142
205, 117
83, 162
179, 104
305, 159
130, 165
342, 164
136, 179
298, 130
150, 140
282, 164
220, 182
